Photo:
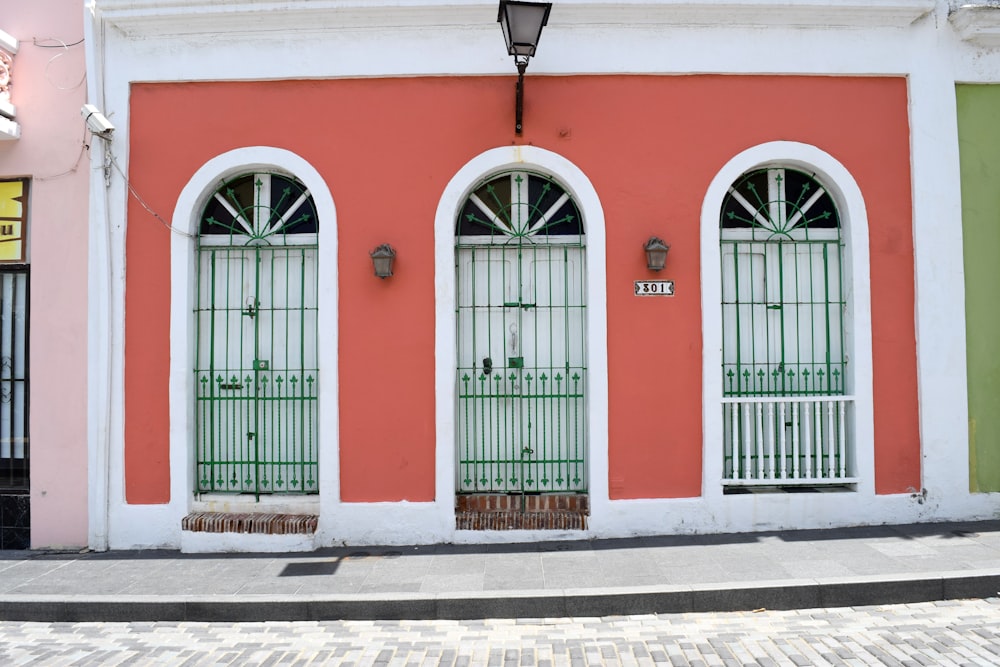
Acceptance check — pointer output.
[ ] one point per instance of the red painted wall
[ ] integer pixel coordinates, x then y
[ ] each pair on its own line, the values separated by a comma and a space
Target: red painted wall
650, 146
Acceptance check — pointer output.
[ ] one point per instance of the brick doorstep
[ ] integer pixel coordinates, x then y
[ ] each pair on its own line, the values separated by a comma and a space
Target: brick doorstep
252, 523
517, 520
500, 511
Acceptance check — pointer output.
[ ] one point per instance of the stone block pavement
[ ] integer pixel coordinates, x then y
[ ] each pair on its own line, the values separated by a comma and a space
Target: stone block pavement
939, 634
784, 570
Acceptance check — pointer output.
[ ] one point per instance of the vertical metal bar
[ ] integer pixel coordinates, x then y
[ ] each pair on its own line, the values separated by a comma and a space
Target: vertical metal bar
747, 467
736, 309
826, 315
781, 440
778, 249
830, 442
11, 334
754, 341
734, 438
807, 446
795, 440
842, 440
818, 423
759, 418
472, 460
7, 444
252, 411
770, 440
841, 301
303, 454
216, 442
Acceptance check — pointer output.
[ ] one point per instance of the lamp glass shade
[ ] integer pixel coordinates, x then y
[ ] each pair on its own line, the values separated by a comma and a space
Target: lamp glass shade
382, 258
656, 254
522, 24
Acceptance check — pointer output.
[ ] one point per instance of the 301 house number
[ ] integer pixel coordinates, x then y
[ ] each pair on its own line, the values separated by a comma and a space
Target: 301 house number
654, 287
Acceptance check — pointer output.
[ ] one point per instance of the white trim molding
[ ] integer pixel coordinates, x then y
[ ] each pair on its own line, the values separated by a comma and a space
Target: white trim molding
977, 22
186, 215
199, 17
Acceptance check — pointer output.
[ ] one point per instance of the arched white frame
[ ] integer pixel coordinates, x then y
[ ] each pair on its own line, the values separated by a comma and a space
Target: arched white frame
185, 222
453, 198
857, 322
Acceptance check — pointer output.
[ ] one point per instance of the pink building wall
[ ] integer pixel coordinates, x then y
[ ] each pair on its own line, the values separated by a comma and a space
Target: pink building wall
48, 89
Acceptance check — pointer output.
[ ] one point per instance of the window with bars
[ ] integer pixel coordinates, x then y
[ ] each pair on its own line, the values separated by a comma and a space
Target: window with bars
783, 316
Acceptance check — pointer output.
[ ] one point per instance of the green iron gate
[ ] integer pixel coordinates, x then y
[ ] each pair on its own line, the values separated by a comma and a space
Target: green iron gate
521, 303
256, 331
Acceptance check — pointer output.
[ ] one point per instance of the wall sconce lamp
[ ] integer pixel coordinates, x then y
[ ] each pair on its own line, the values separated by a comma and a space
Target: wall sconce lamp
382, 258
522, 24
656, 253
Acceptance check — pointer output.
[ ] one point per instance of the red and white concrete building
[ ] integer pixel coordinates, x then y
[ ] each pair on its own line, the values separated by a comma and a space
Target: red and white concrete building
523, 374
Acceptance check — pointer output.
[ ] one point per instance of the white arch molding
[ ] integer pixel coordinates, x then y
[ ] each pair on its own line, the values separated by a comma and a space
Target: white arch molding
454, 196
190, 204
857, 323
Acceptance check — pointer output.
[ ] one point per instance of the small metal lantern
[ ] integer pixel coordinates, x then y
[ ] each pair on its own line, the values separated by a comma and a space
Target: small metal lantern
522, 24
656, 253
382, 258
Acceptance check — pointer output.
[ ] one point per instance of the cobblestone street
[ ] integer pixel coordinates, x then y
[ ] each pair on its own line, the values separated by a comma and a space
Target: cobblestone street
964, 632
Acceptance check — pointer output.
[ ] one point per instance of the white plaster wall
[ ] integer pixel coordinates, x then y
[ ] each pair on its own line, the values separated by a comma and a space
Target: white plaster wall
48, 89
147, 40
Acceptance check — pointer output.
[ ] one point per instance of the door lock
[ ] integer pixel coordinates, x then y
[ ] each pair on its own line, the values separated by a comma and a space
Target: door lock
487, 366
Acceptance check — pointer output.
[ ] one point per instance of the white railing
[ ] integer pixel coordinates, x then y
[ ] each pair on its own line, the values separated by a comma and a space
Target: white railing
783, 440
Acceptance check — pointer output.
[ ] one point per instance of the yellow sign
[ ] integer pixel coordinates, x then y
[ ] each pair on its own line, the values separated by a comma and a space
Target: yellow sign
13, 219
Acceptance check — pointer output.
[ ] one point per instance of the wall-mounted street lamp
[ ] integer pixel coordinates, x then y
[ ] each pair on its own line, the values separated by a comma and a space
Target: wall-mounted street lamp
382, 258
656, 253
522, 24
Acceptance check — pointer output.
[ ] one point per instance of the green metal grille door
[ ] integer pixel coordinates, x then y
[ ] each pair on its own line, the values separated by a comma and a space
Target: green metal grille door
521, 345
256, 318
783, 308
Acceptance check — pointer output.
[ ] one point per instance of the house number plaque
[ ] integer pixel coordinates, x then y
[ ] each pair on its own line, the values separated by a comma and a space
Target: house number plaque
654, 287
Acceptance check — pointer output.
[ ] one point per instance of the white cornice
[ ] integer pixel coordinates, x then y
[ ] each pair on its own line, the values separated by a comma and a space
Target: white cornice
9, 130
978, 23
8, 43
148, 18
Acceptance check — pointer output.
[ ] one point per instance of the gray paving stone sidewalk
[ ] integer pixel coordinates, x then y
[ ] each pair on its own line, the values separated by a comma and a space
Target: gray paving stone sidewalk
775, 570
963, 632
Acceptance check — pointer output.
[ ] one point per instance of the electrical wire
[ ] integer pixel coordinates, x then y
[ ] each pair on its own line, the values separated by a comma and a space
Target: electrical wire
60, 45
76, 164
142, 202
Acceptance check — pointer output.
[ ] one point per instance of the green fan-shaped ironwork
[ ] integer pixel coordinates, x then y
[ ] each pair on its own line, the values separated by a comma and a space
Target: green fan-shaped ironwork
259, 206
781, 202
519, 204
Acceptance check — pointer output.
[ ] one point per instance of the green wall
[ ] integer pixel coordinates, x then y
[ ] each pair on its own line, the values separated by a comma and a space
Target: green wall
979, 145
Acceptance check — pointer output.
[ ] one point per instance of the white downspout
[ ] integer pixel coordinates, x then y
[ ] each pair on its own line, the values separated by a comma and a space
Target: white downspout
99, 329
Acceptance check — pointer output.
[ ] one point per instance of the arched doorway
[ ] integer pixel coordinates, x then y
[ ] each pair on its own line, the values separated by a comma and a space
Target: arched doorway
521, 298
256, 331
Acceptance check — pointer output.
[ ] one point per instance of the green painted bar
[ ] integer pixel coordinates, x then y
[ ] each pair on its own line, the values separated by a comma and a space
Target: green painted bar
979, 150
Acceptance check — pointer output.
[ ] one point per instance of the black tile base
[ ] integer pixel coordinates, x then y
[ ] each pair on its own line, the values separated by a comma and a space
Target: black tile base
15, 538
15, 521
